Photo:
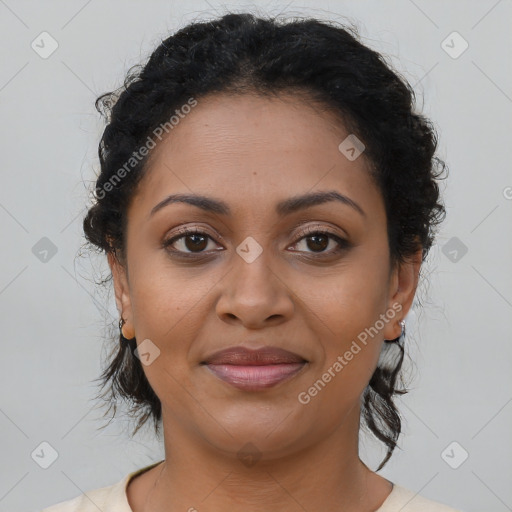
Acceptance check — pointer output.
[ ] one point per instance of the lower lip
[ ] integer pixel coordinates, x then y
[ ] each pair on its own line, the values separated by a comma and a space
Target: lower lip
255, 377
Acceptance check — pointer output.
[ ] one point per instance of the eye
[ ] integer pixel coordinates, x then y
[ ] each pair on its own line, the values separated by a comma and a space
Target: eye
320, 240
188, 239
193, 241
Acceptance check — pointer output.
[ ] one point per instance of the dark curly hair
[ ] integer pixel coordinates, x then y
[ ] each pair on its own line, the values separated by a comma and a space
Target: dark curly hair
324, 63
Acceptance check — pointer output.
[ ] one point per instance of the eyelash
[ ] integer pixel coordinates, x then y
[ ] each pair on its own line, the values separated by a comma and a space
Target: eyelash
308, 232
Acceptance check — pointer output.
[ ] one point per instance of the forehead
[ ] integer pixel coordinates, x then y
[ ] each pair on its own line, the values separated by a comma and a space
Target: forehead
250, 148
273, 124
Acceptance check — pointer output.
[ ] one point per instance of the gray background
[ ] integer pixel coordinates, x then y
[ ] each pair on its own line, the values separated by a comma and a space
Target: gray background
53, 317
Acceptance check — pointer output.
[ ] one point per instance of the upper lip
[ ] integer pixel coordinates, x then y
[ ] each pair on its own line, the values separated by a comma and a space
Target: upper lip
263, 356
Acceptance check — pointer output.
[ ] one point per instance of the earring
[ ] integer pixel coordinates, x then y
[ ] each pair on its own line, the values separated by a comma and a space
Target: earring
121, 324
402, 334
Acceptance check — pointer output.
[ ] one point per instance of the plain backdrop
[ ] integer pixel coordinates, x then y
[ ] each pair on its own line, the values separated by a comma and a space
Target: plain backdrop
456, 443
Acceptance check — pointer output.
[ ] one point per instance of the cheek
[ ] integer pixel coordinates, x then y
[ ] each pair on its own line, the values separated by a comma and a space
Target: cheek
170, 304
168, 310
347, 308
348, 301
165, 305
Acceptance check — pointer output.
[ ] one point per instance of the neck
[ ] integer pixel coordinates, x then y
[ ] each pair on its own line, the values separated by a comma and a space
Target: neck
327, 476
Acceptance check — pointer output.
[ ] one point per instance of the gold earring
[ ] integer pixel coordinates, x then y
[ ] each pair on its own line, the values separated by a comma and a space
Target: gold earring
121, 325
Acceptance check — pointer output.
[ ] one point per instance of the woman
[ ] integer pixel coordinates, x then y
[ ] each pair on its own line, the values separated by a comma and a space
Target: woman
266, 199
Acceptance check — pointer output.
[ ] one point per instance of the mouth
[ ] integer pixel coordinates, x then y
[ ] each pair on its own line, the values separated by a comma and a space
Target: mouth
254, 370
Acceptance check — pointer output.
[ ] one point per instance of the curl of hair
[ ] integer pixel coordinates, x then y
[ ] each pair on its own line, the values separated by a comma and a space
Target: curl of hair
324, 65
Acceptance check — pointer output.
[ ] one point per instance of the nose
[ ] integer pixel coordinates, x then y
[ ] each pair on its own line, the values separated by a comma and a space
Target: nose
254, 295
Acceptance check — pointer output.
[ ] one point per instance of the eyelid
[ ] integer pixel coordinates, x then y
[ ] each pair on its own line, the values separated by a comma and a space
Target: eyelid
321, 225
311, 229
182, 231
341, 241
317, 227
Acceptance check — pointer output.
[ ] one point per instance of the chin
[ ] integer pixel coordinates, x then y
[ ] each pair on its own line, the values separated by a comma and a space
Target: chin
272, 431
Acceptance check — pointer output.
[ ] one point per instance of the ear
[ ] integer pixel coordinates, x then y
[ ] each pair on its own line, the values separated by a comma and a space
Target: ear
121, 288
403, 284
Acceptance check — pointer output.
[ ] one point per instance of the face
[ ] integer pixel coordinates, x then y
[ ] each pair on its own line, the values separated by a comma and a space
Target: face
313, 278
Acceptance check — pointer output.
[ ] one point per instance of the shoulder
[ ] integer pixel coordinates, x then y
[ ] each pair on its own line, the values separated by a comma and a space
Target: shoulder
405, 500
112, 497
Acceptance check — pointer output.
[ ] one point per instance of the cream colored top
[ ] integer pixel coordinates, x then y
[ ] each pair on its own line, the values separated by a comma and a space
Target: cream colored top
113, 499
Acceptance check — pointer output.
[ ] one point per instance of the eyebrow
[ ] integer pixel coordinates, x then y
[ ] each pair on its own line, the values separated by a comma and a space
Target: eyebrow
286, 207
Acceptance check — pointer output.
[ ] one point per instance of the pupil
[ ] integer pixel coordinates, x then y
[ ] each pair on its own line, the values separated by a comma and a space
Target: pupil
197, 243
322, 246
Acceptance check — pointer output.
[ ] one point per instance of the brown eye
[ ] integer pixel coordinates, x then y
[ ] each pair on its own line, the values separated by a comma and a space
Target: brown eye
319, 241
195, 242
189, 241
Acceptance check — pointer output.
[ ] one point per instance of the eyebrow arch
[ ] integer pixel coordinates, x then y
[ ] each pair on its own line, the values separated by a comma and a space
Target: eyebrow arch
283, 208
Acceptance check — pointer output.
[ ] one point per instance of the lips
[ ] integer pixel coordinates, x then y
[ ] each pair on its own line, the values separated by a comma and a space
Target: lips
262, 356
254, 370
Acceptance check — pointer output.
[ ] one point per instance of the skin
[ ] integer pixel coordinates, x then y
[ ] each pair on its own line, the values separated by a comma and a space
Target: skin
253, 152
